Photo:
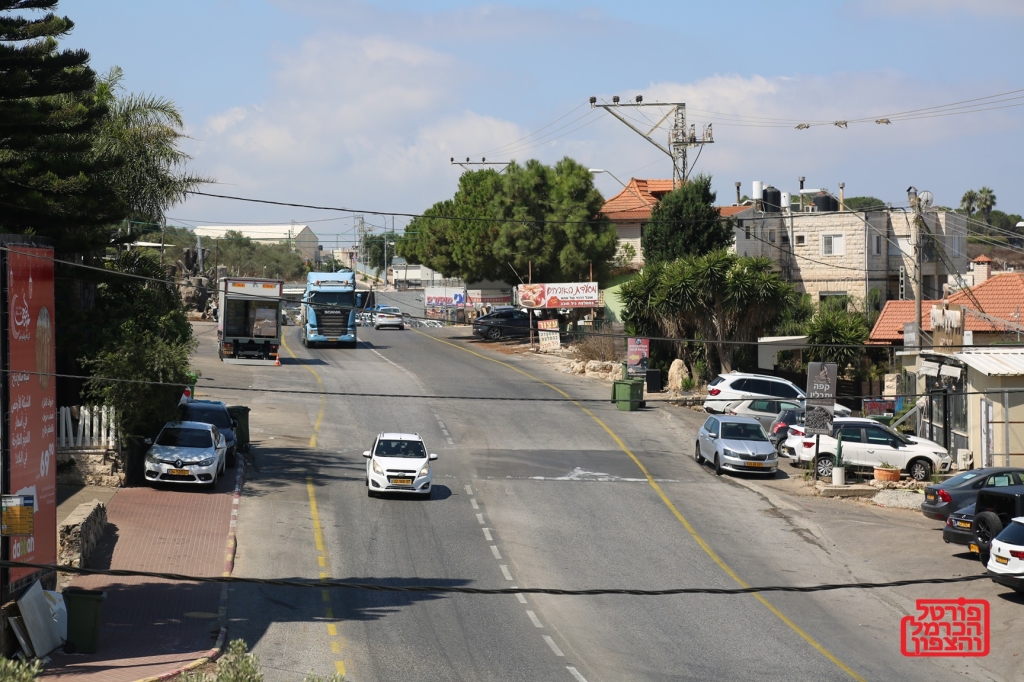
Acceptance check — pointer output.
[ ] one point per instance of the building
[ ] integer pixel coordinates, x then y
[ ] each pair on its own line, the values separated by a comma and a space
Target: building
299, 237
631, 208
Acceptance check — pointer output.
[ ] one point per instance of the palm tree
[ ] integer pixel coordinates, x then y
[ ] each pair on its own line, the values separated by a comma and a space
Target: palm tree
986, 202
969, 202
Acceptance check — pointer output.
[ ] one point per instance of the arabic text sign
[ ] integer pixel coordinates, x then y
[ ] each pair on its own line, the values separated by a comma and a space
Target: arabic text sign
32, 408
550, 339
946, 627
16, 517
567, 295
638, 353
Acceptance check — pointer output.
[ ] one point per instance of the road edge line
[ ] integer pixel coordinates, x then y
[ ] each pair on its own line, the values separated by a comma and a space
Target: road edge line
679, 516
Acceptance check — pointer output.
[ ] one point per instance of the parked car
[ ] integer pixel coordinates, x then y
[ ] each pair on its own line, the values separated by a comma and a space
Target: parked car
957, 530
729, 388
501, 324
993, 511
789, 415
867, 443
216, 413
942, 499
388, 316
1006, 560
764, 410
186, 452
398, 463
735, 444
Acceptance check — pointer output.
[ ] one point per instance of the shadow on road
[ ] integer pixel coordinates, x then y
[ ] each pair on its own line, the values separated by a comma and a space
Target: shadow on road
303, 361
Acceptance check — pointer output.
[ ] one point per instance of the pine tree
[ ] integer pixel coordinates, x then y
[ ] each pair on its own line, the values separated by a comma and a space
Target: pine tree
685, 223
52, 183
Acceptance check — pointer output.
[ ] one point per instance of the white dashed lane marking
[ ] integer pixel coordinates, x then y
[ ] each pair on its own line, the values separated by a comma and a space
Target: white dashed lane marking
472, 502
575, 673
469, 490
554, 647
480, 518
495, 552
487, 535
534, 619
504, 572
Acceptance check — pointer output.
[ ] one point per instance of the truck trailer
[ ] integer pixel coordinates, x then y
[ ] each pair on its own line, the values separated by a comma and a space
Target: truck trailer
249, 320
330, 306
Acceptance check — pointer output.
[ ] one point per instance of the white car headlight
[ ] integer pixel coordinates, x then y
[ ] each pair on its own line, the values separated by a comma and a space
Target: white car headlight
376, 468
206, 462
152, 459
425, 471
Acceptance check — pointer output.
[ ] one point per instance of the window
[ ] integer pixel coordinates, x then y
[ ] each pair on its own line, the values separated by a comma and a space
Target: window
771, 236
762, 406
738, 385
746, 231
878, 245
788, 406
1012, 534
999, 480
762, 386
185, 438
877, 436
743, 432
781, 390
832, 245
801, 239
709, 424
400, 448
850, 434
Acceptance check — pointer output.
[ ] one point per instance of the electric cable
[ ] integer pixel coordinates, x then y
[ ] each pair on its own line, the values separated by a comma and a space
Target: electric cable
525, 137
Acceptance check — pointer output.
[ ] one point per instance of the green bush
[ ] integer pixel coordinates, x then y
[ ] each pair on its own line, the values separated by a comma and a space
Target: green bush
236, 665
19, 671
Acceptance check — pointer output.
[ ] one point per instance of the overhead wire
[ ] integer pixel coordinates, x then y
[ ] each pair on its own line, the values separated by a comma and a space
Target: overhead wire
525, 137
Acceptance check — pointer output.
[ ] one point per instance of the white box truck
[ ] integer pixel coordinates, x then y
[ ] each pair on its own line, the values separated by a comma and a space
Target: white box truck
249, 320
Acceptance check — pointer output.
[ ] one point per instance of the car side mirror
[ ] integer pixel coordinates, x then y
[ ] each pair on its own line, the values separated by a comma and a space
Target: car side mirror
895, 443
148, 441
234, 423
433, 456
713, 434
366, 453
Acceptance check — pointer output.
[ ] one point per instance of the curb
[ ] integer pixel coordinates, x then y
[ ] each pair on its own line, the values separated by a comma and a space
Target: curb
229, 565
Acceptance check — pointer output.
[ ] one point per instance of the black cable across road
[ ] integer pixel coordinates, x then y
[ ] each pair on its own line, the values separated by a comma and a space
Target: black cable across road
454, 589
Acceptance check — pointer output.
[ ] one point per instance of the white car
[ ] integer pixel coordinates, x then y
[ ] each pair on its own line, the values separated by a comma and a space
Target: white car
187, 452
1006, 557
398, 463
736, 386
388, 317
867, 443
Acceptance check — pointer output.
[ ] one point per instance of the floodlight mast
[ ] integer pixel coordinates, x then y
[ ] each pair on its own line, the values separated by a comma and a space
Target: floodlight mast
679, 138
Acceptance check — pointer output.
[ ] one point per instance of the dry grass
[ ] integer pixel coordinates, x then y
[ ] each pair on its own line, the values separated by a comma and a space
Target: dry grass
603, 348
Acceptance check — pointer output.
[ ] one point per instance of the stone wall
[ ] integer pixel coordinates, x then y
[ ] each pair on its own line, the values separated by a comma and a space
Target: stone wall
80, 533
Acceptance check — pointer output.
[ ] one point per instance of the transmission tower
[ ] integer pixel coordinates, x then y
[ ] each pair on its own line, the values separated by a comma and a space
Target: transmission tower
680, 138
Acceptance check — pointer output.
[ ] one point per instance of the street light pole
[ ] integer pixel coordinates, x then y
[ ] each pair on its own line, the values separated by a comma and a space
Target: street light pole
919, 257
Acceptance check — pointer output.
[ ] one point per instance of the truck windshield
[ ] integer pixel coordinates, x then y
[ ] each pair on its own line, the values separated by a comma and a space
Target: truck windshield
340, 299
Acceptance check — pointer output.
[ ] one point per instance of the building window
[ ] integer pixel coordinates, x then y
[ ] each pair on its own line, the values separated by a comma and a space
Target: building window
746, 231
771, 236
832, 245
801, 239
958, 248
878, 245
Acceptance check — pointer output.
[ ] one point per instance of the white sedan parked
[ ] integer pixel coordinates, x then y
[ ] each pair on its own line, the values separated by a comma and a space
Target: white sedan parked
187, 452
398, 463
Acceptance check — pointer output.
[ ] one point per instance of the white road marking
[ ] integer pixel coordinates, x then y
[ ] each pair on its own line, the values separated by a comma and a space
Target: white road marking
445, 432
504, 571
487, 535
581, 474
451, 442
469, 490
576, 674
495, 552
534, 619
480, 518
441, 424
554, 647
521, 597
472, 501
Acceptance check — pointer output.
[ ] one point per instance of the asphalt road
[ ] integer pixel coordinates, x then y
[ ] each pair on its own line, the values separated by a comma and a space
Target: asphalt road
539, 494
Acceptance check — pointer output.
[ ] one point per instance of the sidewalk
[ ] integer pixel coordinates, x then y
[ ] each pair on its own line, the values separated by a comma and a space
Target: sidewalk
153, 627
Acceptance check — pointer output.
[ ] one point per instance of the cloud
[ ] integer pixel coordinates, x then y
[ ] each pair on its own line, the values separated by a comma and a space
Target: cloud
927, 8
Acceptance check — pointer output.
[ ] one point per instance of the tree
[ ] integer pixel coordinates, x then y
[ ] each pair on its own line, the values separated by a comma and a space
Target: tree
845, 331
376, 246
499, 226
865, 203
51, 182
986, 202
685, 222
969, 202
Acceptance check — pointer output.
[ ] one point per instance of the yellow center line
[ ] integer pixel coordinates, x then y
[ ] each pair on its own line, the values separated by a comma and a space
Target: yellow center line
672, 507
322, 560
323, 398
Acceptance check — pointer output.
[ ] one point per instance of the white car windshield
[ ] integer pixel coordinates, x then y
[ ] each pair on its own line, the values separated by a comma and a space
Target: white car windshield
400, 448
185, 438
743, 432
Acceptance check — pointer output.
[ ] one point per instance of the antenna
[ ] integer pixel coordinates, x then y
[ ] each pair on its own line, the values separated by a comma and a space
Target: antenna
926, 198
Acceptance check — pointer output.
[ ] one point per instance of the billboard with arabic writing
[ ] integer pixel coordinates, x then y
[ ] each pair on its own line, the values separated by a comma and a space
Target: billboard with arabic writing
32, 411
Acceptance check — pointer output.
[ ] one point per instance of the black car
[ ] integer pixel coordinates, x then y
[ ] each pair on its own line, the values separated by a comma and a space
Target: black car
993, 511
212, 412
942, 499
778, 432
504, 323
957, 530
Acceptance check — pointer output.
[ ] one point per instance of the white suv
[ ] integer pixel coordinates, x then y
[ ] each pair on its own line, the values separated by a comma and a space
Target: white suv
398, 463
729, 388
867, 443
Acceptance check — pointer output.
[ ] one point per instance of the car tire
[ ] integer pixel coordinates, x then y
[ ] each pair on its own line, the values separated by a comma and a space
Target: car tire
494, 333
919, 469
231, 458
718, 465
986, 526
696, 454
823, 465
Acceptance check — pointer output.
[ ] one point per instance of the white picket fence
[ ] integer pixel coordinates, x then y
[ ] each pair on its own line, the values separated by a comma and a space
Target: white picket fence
97, 427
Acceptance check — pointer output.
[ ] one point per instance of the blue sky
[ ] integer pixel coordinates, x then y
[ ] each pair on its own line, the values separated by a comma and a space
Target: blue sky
362, 103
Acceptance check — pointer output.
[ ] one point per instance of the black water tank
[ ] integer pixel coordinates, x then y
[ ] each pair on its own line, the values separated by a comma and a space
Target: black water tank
825, 202
771, 198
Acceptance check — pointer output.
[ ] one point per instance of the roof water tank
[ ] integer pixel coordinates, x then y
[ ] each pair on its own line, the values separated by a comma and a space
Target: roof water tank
757, 190
772, 199
824, 203
786, 202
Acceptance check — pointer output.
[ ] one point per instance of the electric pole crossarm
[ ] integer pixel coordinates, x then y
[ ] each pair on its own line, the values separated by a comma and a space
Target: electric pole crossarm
634, 128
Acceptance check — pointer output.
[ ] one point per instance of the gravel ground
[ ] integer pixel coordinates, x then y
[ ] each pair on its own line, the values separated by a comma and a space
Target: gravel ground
900, 499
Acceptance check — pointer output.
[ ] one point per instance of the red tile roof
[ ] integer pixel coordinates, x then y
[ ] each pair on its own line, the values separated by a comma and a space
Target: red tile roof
729, 211
634, 203
1001, 296
982, 259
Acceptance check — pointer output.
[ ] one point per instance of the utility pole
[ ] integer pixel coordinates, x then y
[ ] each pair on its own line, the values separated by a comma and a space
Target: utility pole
680, 138
919, 257
162, 228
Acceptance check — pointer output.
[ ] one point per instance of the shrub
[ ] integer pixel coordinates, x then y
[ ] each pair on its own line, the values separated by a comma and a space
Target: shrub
603, 348
19, 671
235, 665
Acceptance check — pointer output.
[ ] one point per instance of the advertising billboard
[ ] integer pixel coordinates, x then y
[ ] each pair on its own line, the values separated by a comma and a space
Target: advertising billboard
443, 297
32, 410
565, 295
638, 353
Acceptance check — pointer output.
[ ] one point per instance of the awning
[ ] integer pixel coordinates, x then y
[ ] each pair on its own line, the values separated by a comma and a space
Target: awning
1004, 363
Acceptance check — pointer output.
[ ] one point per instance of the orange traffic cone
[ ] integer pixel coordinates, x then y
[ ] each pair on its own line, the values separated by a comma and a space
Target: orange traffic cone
277, 361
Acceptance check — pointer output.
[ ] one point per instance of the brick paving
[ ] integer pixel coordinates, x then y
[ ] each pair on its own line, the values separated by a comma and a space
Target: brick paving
150, 627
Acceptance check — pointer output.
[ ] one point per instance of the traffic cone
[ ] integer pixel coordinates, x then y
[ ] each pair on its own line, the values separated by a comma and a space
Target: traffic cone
277, 361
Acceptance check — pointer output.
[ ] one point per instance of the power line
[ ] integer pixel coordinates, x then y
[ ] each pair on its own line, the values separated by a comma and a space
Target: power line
525, 137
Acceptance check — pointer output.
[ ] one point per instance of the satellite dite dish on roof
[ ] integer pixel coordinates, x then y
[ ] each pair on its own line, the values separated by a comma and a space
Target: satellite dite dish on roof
926, 198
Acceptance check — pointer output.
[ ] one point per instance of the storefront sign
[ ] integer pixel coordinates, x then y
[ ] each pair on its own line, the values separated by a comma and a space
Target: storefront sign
443, 297
638, 353
550, 339
570, 295
32, 411
821, 397
879, 407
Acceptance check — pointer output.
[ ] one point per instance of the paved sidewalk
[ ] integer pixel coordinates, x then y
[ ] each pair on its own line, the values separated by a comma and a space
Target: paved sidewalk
152, 627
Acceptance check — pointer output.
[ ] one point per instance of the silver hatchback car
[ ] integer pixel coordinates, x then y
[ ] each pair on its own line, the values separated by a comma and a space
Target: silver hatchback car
735, 444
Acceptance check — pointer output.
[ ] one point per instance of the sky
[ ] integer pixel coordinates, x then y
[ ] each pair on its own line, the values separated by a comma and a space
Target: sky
363, 104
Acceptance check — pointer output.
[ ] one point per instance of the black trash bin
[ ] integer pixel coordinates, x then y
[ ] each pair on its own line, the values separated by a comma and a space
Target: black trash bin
240, 413
654, 381
84, 608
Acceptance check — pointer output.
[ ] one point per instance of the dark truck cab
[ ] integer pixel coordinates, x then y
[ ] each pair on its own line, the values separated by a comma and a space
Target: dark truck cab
992, 512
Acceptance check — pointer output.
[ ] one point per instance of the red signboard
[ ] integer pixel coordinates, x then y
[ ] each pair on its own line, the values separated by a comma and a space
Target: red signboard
31, 432
567, 295
638, 353
946, 627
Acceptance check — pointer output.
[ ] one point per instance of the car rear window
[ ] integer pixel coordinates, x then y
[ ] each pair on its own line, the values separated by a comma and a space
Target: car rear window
400, 448
716, 381
762, 386
185, 438
962, 478
1012, 534
742, 432
218, 416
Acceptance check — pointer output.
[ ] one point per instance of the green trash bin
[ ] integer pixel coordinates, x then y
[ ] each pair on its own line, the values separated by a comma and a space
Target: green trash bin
240, 413
628, 395
83, 607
